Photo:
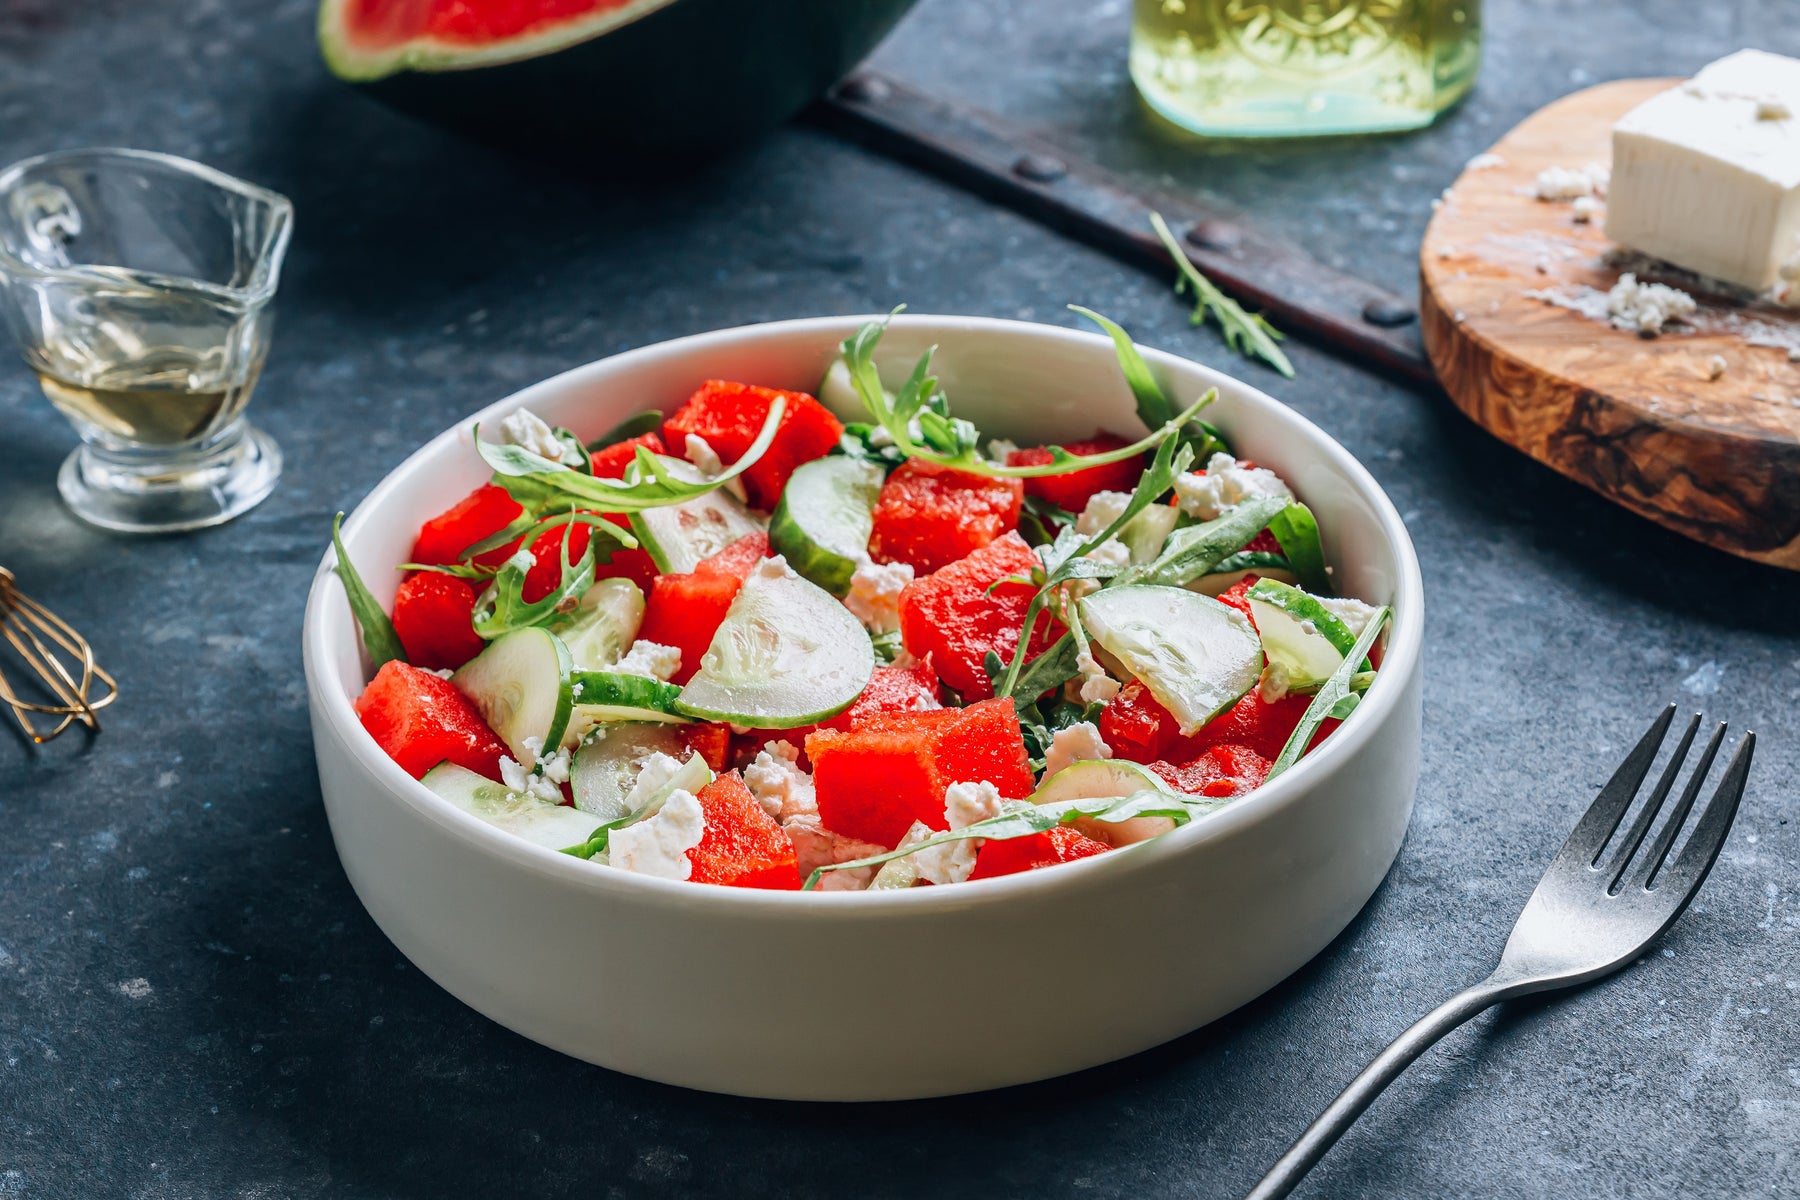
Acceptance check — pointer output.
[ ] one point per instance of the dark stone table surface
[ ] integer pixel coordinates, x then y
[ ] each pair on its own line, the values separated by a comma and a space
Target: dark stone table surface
193, 1004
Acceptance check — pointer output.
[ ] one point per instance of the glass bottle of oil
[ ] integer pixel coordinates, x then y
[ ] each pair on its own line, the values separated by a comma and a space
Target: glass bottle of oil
1287, 68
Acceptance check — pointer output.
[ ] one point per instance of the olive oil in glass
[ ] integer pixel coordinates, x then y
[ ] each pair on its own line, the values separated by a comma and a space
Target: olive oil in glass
1288, 68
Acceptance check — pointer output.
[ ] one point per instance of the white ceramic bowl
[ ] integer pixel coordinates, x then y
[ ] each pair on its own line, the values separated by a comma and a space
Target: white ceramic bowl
857, 996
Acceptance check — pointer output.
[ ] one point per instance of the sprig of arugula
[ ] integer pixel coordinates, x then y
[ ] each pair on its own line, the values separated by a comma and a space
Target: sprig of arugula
1250, 334
917, 418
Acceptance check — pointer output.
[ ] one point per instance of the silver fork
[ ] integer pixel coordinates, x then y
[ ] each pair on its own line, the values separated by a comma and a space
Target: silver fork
1592, 913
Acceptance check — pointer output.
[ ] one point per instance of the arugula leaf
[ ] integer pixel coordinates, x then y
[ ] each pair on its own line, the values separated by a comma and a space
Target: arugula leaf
455, 570
917, 419
1333, 699
1197, 550
378, 633
1250, 560
1248, 334
1063, 559
1025, 819
529, 525
1036, 517
1298, 532
650, 481
1153, 406
502, 608
636, 425
887, 647
1051, 669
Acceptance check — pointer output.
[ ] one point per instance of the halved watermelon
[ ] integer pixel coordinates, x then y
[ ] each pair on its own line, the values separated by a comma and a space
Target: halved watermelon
669, 77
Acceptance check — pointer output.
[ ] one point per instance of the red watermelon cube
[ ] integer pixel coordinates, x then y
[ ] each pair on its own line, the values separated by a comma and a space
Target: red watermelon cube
742, 846
952, 615
483, 512
684, 611
1053, 846
931, 516
1074, 489
611, 462
730, 415
738, 559
875, 780
1221, 772
432, 614
421, 720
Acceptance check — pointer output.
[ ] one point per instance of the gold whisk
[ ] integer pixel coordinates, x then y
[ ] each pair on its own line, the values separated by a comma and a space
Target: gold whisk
60, 658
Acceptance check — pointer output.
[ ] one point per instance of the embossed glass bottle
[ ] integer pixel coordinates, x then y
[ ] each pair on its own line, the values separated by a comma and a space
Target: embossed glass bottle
1286, 68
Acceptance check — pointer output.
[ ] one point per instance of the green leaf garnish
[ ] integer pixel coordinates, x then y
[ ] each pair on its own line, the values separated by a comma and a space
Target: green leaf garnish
378, 633
1153, 407
650, 481
917, 418
502, 608
1247, 333
1198, 550
1333, 699
1298, 532
454, 570
636, 425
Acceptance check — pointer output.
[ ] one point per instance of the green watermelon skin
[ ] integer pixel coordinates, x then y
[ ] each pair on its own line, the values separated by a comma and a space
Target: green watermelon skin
685, 81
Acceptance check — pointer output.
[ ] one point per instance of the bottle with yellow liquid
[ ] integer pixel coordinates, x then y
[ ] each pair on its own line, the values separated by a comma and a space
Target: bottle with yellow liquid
1289, 68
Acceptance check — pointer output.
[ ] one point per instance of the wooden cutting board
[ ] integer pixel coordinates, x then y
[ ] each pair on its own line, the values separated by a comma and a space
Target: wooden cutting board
1641, 421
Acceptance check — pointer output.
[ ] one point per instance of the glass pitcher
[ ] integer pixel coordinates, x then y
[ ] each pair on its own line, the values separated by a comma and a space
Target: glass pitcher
1287, 68
138, 287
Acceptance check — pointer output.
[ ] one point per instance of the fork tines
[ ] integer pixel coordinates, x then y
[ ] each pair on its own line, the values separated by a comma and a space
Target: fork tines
1595, 846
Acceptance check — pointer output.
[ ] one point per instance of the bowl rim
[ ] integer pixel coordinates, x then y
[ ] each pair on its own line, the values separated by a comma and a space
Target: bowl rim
1401, 660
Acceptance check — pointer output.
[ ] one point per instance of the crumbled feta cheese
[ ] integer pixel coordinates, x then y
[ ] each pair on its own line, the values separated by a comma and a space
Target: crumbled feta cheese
1103, 508
1566, 183
964, 804
528, 431
653, 776
1715, 366
1112, 552
1352, 612
1585, 209
1225, 485
1645, 308
700, 452
1273, 683
650, 659
775, 567
659, 845
525, 784
1080, 742
967, 803
1000, 449
1097, 687
1484, 162
815, 847
555, 768
776, 780
874, 596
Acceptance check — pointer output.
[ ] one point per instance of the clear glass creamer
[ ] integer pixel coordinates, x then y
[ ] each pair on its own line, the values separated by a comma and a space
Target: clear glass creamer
138, 287
1288, 68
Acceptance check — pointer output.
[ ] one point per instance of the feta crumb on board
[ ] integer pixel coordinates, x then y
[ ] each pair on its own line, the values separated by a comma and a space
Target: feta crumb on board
784, 790
1484, 162
658, 845
1585, 208
1224, 485
1569, 183
653, 660
874, 596
1716, 366
1080, 742
530, 432
1644, 308
1707, 175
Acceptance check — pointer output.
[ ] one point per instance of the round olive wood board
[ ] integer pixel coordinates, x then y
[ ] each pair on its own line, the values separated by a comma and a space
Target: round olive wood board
1642, 421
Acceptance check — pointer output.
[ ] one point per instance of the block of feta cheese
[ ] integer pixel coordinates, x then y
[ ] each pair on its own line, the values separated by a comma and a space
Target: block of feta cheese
1707, 175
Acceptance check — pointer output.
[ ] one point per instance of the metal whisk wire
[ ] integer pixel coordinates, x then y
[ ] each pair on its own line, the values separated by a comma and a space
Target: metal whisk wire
59, 657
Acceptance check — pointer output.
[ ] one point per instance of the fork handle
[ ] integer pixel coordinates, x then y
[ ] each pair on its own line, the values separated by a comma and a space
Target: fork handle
1340, 1113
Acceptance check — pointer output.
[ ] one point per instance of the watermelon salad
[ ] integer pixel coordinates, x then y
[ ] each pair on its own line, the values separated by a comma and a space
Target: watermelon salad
747, 643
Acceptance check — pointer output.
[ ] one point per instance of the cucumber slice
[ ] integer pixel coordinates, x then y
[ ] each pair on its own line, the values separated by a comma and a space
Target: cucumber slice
1302, 636
678, 536
539, 821
607, 764
521, 686
1196, 655
1145, 533
787, 654
692, 776
825, 517
604, 625
1098, 778
608, 696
